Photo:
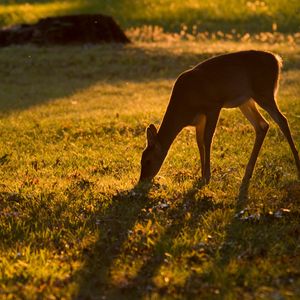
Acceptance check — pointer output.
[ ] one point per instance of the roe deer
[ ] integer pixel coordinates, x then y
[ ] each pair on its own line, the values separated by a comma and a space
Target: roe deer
241, 79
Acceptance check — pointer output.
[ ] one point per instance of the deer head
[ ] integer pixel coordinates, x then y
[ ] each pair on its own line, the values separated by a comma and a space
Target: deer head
153, 156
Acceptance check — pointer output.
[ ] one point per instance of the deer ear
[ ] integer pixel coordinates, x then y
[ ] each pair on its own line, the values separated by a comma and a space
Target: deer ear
151, 134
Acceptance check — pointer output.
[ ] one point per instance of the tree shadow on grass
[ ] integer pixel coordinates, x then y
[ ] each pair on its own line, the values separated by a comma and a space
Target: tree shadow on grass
32, 76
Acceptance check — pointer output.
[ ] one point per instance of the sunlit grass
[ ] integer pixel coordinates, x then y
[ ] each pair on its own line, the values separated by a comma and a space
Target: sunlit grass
149, 33
31, 13
72, 129
240, 15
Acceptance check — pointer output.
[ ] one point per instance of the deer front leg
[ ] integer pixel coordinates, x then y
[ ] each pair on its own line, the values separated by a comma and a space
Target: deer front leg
200, 127
261, 127
210, 126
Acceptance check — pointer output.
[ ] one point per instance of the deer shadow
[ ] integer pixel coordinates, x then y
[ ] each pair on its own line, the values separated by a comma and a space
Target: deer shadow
115, 225
96, 273
243, 233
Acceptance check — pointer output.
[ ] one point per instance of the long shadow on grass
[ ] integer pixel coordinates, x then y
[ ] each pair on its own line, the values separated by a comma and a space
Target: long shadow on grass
186, 212
257, 241
247, 240
33, 76
115, 225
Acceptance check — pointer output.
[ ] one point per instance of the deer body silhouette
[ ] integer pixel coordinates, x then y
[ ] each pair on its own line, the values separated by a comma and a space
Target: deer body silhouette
242, 79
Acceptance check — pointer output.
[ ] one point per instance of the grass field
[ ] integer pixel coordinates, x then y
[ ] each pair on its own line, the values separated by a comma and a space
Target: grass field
72, 222
240, 15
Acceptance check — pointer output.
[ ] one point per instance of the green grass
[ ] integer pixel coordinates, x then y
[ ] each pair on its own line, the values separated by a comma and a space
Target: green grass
240, 15
72, 222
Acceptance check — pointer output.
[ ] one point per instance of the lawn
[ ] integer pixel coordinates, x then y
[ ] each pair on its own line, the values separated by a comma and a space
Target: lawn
240, 15
73, 224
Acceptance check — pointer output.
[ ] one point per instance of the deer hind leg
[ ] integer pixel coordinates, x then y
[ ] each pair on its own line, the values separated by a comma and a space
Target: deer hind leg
271, 107
200, 128
261, 127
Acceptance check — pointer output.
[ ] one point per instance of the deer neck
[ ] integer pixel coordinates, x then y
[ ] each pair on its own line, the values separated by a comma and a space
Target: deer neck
169, 129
